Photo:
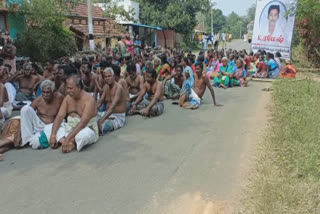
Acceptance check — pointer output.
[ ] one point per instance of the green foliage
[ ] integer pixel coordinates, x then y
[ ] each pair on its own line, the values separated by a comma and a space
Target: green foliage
287, 177
308, 22
179, 15
112, 10
219, 21
232, 23
45, 36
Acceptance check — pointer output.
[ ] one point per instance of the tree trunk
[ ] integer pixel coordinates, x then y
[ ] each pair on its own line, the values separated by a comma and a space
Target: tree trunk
165, 39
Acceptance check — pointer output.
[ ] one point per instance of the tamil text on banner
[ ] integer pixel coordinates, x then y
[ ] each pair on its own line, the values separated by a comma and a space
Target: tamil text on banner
274, 26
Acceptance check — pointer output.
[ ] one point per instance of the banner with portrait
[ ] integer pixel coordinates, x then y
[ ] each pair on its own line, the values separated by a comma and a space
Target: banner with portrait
274, 26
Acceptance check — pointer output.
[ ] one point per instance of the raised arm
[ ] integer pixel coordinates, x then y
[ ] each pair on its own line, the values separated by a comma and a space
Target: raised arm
211, 91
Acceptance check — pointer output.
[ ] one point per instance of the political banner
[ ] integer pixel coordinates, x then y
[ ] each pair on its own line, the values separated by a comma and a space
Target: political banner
274, 26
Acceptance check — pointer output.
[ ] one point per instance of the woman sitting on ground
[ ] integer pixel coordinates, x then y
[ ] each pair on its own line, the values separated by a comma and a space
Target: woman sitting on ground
224, 76
238, 78
261, 69
289, 71
273, 67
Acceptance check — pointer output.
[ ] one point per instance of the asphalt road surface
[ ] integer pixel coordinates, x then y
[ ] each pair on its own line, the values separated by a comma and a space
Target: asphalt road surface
159, 165
237, 44
141, 168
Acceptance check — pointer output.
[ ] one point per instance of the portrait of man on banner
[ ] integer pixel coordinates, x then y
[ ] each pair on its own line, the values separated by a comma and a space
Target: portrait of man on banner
274, 26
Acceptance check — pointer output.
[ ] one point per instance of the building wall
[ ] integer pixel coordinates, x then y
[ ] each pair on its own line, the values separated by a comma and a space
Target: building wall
170, 38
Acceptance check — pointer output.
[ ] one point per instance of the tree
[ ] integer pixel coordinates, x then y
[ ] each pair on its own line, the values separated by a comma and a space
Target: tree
308, 22
45, 36
219, 21
112, 10
178, 15
251, 13
235, 25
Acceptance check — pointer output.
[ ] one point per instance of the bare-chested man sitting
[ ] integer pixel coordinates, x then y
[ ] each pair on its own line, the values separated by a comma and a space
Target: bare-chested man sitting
174, 83
4, 75
135, 82
49, 70
27, 83
88, 77
151, 105
190, 98
81, 127
37, 119
115, 96
5, 105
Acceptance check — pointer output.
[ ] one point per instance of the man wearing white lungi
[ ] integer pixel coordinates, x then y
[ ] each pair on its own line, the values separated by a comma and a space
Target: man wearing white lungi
81, 127
115, 96
40, 114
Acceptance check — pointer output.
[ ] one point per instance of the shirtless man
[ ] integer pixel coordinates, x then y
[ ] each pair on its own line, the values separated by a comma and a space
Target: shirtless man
5, 105
201, 82
134, 82
115, 96
4, 75
9, 52
153, 105
27, 83
49, 70
88, 77
80, 109
61, 75
37, 119
174, 83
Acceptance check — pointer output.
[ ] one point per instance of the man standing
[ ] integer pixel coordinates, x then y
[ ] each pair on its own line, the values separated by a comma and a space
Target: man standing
9, 54
27, 83
114, 95
223, 37
152, 105
80, 109
37, 119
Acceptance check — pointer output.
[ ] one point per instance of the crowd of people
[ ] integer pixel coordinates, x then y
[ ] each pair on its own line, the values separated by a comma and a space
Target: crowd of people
71, 103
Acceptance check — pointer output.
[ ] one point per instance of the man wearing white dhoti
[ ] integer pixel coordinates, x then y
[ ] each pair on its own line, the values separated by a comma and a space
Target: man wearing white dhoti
40, 114
80, 128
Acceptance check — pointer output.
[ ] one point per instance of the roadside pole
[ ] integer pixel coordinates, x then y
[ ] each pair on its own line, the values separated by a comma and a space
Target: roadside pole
91, 39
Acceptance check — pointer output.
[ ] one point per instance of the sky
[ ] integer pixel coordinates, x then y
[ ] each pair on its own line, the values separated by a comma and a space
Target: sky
238, 6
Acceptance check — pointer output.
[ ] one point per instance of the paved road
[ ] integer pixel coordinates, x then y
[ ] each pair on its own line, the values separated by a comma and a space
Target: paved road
141, 168
237, 45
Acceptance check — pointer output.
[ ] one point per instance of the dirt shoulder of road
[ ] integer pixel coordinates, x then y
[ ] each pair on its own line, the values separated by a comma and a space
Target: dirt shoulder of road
285, 176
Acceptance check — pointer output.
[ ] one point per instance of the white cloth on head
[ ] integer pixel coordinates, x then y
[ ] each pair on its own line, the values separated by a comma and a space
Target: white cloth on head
30, 124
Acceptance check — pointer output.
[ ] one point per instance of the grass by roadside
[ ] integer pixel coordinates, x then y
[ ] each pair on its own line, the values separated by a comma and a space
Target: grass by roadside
287, 174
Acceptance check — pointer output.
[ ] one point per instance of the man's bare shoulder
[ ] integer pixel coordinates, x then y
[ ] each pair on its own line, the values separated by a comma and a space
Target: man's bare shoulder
106, 87
58, 95
87, 97
37, 101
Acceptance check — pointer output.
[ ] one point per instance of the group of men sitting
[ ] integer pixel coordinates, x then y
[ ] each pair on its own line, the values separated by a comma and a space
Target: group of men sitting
72, 104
